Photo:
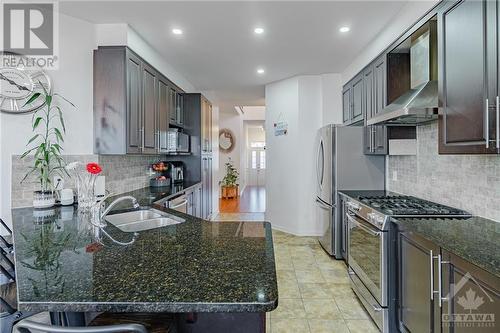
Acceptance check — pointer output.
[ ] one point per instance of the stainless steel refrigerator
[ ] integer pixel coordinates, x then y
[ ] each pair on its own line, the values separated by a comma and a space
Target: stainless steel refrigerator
341, 165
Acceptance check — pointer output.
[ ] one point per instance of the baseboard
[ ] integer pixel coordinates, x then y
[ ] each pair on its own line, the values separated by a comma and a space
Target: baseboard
288, 231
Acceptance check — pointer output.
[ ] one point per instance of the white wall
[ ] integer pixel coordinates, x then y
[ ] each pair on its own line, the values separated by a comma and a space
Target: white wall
406, 17
73, 80
331, 90
289, 189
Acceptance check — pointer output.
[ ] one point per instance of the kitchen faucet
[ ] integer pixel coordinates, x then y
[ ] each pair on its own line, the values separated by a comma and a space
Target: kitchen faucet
102, 215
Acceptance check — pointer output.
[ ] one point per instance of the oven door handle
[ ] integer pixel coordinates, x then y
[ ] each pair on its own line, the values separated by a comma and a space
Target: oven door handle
182, 203
359, 225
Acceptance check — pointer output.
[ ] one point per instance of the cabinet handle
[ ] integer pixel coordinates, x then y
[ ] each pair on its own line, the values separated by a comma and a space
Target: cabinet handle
142, 138
487, 130
432, 274
498, 123
157, 134
440, 287
373, 140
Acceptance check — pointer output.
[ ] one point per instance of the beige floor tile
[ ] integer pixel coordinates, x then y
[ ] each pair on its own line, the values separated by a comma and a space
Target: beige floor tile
321, 309
304, 264
309, 276
315, 290
285, 274
362, 326
335, 275
284, 264
340, 290
350, 307
289, 309
289, 326
288, 289
327, 326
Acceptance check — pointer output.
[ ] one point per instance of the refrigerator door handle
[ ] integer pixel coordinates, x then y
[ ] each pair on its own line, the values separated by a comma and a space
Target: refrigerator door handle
320, 172
324, 204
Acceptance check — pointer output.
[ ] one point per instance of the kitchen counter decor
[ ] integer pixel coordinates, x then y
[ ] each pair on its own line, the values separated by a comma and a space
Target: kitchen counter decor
48, 128
85, 183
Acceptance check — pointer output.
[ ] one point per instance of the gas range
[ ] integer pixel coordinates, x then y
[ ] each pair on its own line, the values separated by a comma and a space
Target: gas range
377, 210
409, 206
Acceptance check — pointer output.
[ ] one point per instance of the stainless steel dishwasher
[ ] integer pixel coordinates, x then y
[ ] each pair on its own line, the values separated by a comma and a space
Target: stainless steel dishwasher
179, 203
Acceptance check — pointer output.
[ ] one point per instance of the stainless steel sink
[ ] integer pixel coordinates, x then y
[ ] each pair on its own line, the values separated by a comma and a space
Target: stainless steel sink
144, 219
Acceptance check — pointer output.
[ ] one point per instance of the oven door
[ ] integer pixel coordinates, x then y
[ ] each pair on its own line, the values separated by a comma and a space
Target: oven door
367, 255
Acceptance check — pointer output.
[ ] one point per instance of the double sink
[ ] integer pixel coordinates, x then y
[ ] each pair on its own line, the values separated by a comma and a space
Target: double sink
142, 219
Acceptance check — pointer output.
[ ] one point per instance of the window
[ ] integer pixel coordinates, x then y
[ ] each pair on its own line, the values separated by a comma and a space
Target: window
263, 159
257, 144
254, 159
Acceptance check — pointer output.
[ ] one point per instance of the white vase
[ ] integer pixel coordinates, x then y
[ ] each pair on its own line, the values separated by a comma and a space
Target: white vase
43, 199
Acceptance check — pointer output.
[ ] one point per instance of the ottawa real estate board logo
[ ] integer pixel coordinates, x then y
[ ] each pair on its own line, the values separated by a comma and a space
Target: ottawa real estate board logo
473, 306
30, 30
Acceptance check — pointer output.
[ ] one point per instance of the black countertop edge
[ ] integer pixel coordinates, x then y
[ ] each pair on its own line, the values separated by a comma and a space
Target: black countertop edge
147, 307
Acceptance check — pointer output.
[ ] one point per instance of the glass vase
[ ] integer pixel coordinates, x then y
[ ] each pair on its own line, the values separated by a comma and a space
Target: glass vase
86, 196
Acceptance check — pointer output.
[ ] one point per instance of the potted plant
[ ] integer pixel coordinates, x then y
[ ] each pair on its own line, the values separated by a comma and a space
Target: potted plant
48, 128
229, 187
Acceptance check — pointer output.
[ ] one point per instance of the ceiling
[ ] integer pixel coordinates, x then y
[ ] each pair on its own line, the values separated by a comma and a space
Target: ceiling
219, 51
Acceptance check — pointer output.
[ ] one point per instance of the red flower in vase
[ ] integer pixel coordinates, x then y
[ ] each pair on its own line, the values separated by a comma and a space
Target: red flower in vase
94, 168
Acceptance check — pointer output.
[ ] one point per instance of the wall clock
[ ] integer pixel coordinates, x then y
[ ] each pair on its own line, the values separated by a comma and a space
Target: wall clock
19, 82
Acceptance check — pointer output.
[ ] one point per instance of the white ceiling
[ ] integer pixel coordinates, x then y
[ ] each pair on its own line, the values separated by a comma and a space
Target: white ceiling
219, 51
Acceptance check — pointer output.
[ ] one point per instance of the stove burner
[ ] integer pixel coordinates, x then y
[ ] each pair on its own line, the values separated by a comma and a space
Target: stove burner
408, 205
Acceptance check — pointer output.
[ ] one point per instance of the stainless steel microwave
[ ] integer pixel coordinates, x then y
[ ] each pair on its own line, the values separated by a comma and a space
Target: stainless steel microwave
176, 142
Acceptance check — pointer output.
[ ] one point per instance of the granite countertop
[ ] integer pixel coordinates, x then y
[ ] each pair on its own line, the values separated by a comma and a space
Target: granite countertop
475, 239
195, 266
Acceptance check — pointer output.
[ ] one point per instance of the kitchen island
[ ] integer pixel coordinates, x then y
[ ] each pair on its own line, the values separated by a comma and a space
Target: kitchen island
193, 267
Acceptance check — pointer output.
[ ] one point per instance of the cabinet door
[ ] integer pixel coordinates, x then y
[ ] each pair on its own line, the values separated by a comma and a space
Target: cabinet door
357, 99
172, 109
149, 102
380, 81
163, 114
380, 140
179, 108
471, 292
204, 178
346, 103
206, 125
463, 83
417, 281
134, 104
209, 127
210, 185
369, 101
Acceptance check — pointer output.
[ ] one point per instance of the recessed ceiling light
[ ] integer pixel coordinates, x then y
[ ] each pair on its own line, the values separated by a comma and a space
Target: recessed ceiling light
344, 29
258, 31
260, 71
177, 31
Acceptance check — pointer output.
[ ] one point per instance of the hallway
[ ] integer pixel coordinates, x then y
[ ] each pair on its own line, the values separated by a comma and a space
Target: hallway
252, 200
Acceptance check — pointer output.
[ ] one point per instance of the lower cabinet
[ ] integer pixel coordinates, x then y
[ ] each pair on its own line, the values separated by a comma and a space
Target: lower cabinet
206, 177
193, 196
441, 292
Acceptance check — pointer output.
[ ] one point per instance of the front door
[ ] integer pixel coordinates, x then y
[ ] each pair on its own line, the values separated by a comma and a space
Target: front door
257, 167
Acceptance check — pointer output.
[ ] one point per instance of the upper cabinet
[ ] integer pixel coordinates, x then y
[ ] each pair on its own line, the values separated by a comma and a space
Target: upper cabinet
468, 39
133, 104
353, 103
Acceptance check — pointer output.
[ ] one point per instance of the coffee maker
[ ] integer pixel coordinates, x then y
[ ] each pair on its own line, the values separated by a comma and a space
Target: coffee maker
176, 171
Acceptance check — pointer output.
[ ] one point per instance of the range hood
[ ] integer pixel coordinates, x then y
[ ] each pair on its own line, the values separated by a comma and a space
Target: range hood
419, 104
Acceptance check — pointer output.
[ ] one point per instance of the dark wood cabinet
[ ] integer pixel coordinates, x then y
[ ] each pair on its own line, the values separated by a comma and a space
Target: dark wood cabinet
163, 109
357, 109
375, 136
468, 80
206, 126
149, 100
416, 284
346, 103
206, 171
433, 285
177, 117
468, 289
132, 103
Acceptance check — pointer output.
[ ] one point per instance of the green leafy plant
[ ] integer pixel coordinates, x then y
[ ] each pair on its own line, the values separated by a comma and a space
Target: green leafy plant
231, 176
48, 128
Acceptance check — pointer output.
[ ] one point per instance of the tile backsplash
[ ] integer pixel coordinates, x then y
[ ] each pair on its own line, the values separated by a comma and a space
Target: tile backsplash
123, 173
469, 182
